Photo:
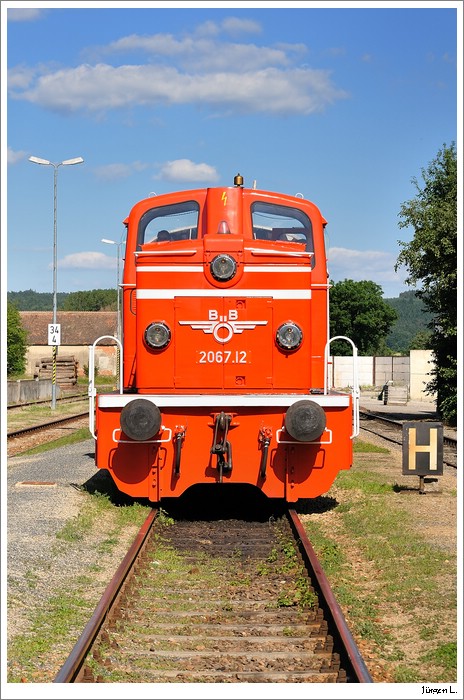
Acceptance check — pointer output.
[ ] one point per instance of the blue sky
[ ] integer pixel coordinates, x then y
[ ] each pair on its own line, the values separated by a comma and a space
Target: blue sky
343, 104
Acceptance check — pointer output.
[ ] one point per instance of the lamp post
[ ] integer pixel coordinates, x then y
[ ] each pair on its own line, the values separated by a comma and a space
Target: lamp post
42, 161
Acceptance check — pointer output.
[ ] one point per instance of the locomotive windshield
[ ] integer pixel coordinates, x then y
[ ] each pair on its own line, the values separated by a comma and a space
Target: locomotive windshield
273, 222
174, 222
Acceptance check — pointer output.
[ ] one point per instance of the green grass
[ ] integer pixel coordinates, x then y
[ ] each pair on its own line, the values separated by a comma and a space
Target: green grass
404, 573
361, 446
55, 626
78, 436
365, 481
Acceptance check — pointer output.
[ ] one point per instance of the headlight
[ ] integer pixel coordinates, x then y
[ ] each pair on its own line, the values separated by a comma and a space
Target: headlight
223, 267
157, 335
289, 336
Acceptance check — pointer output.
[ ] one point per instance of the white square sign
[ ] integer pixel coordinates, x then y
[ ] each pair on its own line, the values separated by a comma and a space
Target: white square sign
54, 333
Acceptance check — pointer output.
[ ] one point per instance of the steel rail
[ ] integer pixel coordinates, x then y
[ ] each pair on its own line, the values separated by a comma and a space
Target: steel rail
71, 398
48, 424
354, 660
72, 666
447, 439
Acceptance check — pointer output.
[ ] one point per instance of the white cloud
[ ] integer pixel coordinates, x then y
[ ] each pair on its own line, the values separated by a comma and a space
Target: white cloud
24, 14
184, 170
88, 261
20, 77
118, 171
375, 265
14, 157
237, 25
200, 68
103, 87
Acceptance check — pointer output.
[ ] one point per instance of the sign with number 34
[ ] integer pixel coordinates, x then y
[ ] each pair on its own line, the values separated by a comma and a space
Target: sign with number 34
54, 333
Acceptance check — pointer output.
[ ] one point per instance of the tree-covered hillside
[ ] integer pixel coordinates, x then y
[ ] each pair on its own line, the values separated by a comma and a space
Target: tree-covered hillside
93, 300
35, 301
411, 324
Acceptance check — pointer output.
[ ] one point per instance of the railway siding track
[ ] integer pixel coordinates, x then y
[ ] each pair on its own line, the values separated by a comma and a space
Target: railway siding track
220, 601
30, 436
391, 430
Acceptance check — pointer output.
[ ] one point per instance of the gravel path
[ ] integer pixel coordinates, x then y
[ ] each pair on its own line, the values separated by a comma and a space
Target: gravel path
36, 560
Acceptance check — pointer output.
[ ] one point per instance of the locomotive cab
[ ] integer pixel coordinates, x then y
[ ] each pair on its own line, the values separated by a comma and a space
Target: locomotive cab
225, 351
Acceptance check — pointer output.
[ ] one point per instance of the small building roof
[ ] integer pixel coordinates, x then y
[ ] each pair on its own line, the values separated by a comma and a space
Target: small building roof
77, 327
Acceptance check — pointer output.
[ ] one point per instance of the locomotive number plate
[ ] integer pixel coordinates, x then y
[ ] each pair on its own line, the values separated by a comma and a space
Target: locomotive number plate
231, 357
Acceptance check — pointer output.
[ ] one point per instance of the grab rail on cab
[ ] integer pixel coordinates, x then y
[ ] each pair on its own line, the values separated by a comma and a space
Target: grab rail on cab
355, 387
92, 392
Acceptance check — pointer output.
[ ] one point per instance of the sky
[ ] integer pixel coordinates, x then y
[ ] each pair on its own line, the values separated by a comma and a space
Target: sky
344, 104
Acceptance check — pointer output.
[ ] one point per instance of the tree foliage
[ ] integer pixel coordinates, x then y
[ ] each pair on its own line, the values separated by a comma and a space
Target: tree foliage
358, 310
93, 300
16, 342
431, 259
29, 300
411, 324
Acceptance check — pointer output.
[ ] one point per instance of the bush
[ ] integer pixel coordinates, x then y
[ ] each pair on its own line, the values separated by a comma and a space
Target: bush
16, 342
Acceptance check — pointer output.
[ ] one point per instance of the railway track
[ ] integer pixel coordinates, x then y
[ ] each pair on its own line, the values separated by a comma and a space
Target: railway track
391, 430
70, 398
30, 436
217, 601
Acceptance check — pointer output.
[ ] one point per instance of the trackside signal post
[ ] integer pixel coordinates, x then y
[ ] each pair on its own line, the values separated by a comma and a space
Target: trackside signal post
422, 450
54, 339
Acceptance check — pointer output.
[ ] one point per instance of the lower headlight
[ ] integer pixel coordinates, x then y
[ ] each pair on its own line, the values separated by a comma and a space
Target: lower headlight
140, 419
289, 336
157, 335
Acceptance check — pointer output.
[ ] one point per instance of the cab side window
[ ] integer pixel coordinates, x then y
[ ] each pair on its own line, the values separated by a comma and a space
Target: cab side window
173, 222
274, 222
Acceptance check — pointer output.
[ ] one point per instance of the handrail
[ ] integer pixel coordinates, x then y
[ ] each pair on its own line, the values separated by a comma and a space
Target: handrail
92, 391
355, 389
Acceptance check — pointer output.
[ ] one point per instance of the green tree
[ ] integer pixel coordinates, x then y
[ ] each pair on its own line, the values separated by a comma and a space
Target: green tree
16, 342
358, 310
92, 300
431, 259
412, 319
421, 341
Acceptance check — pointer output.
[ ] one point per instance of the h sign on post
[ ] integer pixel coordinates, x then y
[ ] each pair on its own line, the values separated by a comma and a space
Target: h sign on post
422, 449
54, 333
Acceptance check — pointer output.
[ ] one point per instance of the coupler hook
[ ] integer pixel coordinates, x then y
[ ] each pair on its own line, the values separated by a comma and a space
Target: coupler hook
265, 435
221, 446
179, 438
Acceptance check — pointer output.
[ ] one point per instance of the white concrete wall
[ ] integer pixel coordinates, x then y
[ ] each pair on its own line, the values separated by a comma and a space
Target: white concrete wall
421, 366
343, 371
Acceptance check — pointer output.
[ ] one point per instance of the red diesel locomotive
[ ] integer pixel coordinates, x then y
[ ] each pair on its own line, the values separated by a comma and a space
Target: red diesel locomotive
225, 353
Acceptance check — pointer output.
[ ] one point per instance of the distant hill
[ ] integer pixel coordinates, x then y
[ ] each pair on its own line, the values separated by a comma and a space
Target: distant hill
36, 301
412, 318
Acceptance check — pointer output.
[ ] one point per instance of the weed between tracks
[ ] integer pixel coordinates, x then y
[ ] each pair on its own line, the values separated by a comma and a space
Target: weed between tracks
178, 579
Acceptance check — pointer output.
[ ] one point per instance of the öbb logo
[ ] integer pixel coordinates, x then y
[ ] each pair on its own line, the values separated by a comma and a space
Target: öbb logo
222, 327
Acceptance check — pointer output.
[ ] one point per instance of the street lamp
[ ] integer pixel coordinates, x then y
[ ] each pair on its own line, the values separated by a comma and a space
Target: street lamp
42, 161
